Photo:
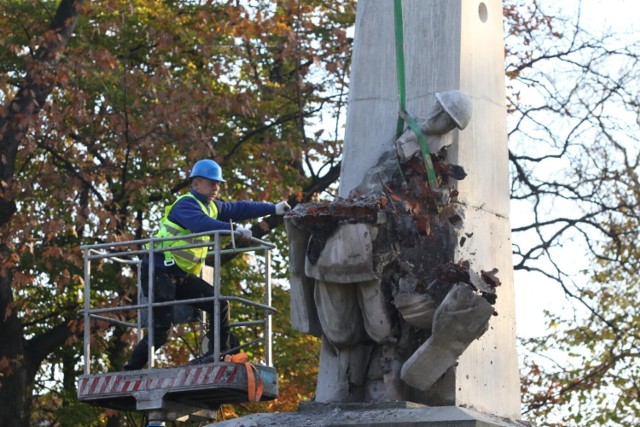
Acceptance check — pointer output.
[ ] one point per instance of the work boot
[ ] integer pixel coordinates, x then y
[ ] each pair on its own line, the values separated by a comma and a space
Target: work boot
138, 357
208, 356
229, 344
205, 358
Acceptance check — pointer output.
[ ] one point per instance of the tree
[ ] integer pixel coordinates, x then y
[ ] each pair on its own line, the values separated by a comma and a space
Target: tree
106, 105
573, 149
103, 122
20, 358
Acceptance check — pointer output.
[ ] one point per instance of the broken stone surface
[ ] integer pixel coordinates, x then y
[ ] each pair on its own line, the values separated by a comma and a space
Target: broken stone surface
373, 179
408, 147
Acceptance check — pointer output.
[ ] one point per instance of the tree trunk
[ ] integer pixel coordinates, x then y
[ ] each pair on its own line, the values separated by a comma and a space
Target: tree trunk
15, 391
19, 360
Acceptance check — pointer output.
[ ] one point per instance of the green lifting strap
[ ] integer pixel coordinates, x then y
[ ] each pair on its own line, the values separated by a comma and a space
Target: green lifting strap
397, 9
403, 116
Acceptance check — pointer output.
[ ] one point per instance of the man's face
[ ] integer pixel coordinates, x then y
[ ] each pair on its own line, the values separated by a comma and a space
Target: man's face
207, 187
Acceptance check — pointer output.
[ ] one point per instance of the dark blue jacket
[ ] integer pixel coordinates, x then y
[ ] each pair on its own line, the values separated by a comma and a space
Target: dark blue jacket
189, 215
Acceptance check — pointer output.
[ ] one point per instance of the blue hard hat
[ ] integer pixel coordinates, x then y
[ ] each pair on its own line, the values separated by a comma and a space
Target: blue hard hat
207, 169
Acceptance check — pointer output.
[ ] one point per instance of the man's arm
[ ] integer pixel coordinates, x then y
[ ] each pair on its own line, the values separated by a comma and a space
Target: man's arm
188, 214
241, 211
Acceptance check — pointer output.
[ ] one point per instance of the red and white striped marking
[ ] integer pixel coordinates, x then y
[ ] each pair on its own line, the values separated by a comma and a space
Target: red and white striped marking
126, 383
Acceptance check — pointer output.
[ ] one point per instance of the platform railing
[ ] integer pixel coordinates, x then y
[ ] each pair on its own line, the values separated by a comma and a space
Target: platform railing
125, 253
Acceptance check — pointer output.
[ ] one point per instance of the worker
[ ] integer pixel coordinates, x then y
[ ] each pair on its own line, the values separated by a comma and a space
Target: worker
176, 272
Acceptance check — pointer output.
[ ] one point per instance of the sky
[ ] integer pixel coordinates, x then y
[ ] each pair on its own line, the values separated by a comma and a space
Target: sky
534, 294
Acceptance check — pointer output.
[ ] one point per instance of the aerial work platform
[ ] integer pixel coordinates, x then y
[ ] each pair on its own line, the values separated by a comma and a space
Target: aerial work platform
174, 393
204, 386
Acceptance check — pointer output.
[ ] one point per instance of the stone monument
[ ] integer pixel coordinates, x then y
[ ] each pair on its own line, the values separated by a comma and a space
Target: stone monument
399, 276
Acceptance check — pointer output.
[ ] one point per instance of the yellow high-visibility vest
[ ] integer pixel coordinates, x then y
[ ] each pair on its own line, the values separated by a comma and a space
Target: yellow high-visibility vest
190, 260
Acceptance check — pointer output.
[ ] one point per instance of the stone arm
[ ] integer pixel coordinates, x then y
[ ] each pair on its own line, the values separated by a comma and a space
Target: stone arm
462, 317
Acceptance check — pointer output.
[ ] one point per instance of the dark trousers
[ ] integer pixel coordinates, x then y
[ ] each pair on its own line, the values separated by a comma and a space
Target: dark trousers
172, 287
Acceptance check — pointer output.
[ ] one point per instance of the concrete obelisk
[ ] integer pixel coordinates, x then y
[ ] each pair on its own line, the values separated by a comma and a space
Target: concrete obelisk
449, 45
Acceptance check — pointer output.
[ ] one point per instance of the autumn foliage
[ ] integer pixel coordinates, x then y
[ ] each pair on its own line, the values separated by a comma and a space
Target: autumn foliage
115, 102
105, 105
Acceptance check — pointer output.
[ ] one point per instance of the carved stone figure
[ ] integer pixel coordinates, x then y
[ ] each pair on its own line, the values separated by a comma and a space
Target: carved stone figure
374, 274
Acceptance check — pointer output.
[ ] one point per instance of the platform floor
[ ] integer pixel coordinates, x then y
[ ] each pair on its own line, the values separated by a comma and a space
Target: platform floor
205, 386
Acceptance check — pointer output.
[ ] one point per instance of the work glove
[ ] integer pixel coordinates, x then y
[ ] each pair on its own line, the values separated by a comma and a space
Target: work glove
282, 208
245, 233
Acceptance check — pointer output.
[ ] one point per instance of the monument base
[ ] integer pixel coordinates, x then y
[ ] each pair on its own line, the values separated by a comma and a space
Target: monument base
383, 414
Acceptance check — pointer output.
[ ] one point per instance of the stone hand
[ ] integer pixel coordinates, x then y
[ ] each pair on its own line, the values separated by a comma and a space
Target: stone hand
462, 317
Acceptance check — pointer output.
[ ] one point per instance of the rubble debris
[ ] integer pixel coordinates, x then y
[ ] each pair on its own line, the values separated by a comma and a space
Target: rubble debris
490, 277
318, 215
322, 219
453, 171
